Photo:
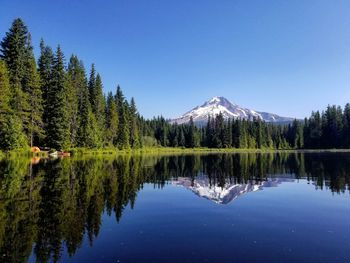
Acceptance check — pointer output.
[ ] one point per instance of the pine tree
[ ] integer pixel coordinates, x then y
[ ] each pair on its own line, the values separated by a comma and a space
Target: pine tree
219, 131
76, 88
112, 120
173, 135
91, 86
313, 131
57, 122
88, 131
213, 140
35, 125
181, 139
268, 142
208, 132
226, 134
299, 136
332, 127
123, 127
243, 136
191, 134
235, 133
96, 98
134, 127
93, 138
99, 101
14, 51
45, 64
258, 135
340, 127
84, 110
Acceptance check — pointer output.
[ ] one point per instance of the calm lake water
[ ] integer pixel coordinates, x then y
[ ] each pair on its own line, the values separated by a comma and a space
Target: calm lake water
193, 208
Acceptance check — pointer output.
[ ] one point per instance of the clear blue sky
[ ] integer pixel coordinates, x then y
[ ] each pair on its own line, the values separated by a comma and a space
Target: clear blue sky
285, 57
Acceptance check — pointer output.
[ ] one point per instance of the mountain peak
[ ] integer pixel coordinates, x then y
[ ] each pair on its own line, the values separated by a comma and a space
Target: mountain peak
219, 104
218, 100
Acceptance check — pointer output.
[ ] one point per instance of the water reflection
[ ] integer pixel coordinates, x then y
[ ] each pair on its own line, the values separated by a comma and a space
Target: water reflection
229, 191
50, 205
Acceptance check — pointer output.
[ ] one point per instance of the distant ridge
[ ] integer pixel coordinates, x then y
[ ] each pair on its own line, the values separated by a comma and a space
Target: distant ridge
229, 110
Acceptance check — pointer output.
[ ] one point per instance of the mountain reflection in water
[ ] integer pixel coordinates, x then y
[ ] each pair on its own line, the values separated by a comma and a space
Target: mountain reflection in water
227, 193
49, 206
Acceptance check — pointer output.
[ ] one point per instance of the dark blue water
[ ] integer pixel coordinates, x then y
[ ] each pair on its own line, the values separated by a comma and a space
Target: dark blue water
289, 223
231, 208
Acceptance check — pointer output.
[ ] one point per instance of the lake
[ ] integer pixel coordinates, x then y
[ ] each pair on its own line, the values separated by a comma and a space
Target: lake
186, 208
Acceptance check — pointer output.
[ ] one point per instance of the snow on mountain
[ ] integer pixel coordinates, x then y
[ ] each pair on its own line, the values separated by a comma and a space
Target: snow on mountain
227, 193
229, 110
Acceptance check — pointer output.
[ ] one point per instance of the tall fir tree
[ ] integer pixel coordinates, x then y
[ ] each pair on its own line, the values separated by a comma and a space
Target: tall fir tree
123, 127
332, 127
76, 86
57, 122
93, 132
235, 133
33, 125
243, 135
91, 86
14, 51
191, 137
45, 64
219, 131
84, 109
134, 126
227, 134
313, 131
112, 120
258, 134
98, 106
88, 134
181, 139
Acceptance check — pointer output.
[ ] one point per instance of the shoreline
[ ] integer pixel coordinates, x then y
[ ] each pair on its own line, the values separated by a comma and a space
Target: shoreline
77, 152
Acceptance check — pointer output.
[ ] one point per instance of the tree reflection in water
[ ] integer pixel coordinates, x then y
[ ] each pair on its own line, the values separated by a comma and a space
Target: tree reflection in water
49, 205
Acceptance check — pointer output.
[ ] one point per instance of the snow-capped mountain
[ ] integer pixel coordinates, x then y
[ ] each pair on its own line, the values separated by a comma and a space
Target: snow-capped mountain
229, 110
227, 193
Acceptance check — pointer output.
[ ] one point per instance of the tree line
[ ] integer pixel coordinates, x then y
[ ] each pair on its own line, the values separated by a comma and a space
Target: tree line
323, 130
48, 102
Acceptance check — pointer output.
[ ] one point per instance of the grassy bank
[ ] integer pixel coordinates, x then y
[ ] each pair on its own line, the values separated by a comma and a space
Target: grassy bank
173, 150
161, 150
21, 153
